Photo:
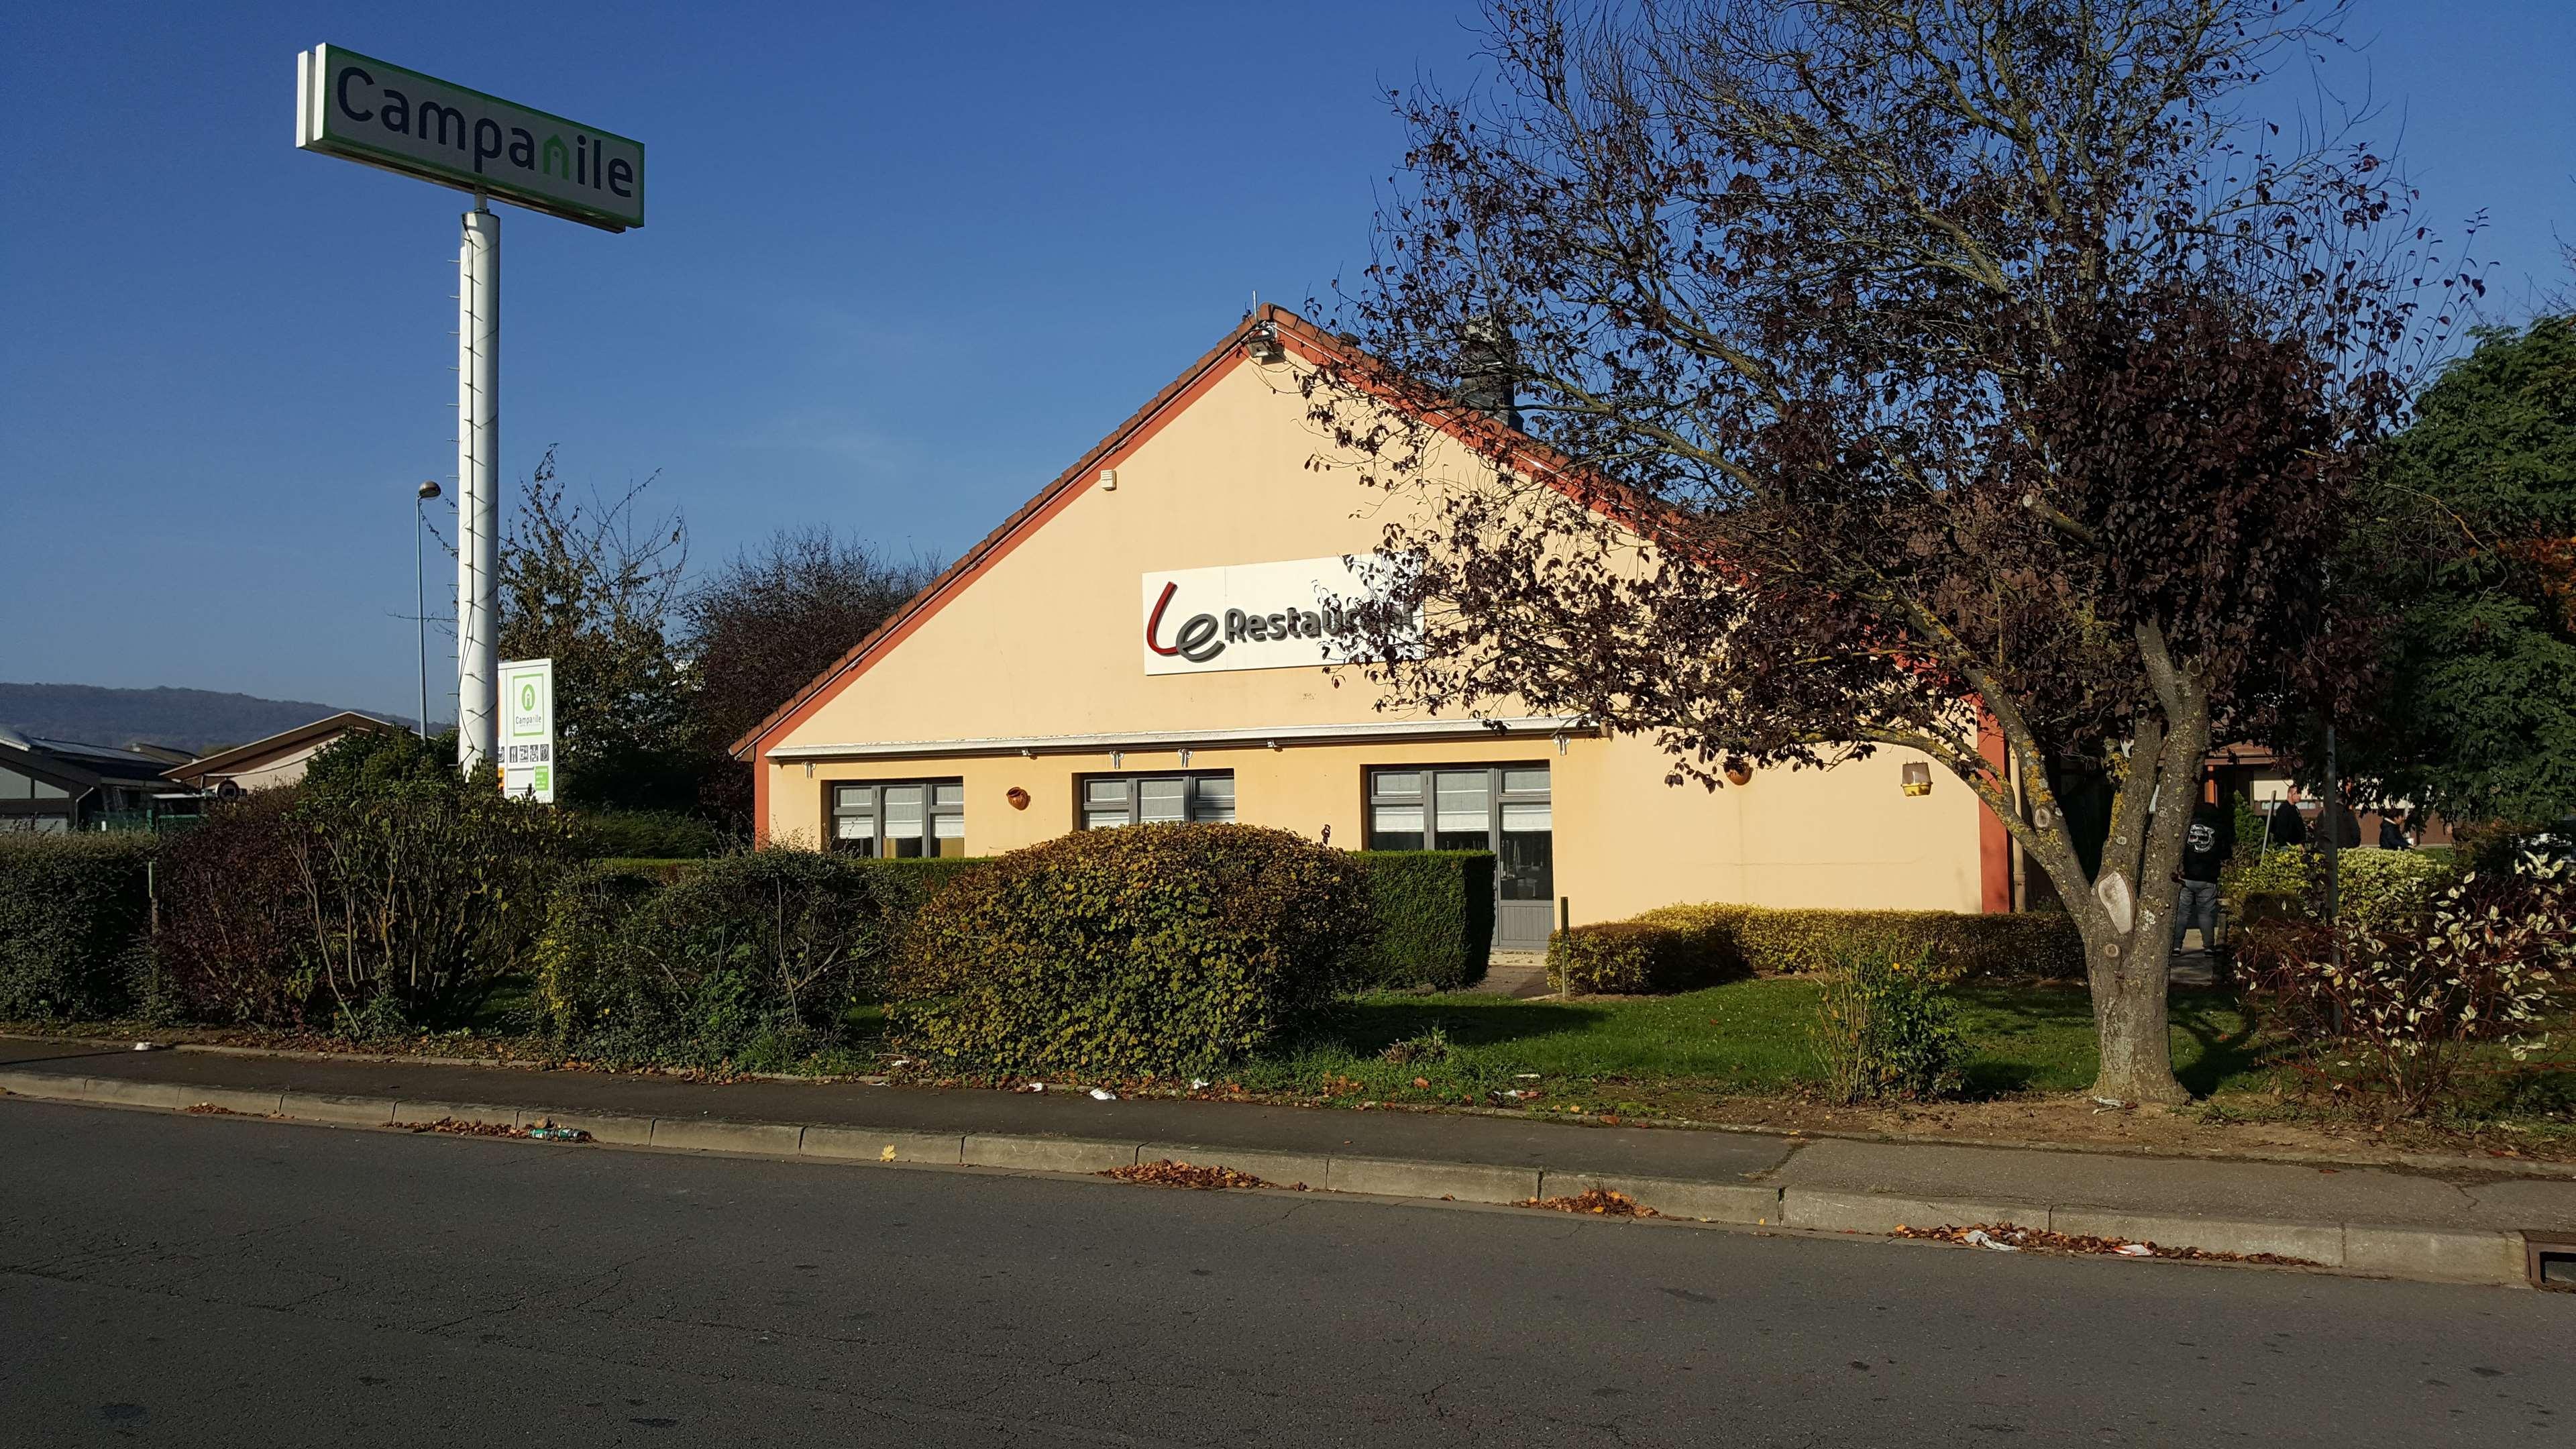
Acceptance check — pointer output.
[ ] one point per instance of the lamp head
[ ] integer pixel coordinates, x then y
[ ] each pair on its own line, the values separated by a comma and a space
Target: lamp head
427, 491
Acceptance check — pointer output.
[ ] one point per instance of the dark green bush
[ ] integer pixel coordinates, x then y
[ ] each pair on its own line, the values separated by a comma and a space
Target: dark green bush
75, 925
749, 959
1434, 917
1155, 949
1680, 948
1884, 1030
382, 892
643, 835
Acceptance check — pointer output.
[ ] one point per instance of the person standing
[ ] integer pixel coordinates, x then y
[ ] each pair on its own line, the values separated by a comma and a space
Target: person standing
2392, 834
2205, 848
2286, 828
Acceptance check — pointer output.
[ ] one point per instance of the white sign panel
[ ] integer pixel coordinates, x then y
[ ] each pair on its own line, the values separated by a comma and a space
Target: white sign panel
528, 729
1256, 616
370, 110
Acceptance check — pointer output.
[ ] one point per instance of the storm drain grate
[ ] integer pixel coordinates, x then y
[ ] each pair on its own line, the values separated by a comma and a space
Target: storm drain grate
2552, 1260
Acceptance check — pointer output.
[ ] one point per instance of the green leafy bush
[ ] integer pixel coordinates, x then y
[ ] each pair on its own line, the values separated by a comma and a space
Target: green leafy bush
1434, 916
2374, 888
1681, 948
75, 924
1153, 949
1884, 1030
750, 959
643, 835
1630, 958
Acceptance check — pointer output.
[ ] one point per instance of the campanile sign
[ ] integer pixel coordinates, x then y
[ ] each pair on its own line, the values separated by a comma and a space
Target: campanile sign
381, 114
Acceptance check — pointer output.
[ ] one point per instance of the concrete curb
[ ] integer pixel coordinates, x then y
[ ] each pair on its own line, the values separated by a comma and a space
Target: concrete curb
2431, 1254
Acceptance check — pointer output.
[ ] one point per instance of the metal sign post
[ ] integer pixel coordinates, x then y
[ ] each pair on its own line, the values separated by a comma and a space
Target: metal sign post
381, 114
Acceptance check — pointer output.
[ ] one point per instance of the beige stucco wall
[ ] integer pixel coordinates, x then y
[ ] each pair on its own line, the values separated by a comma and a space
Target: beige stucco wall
1045, 642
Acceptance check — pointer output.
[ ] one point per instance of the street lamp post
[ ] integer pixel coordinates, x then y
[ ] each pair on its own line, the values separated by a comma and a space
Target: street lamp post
419, 600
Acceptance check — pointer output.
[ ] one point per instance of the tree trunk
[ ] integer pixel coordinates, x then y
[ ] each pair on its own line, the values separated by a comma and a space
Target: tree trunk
2129, 1022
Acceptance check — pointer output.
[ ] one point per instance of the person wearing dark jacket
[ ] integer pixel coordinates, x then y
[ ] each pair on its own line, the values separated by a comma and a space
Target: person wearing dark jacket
2286, 828
2392, 835
2206, 845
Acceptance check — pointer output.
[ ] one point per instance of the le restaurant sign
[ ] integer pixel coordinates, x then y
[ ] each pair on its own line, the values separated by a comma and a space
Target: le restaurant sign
374, 111
1256, 616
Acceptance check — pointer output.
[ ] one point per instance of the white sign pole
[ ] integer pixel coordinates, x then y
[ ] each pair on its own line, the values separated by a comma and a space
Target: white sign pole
478, 480
381, 114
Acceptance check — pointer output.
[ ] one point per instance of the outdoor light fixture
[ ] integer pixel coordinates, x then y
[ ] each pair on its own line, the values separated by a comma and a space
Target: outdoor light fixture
1261, 343
1108, 480
1018, 797
1740, 773
1918, 778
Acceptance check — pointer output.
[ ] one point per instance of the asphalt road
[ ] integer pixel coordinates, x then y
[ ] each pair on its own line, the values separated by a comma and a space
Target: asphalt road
230, 1281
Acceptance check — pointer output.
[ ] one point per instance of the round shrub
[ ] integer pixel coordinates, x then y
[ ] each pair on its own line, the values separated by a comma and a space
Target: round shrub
1149, 950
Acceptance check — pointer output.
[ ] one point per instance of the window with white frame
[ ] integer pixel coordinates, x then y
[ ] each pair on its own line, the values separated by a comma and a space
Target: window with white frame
1204, 798
899, 819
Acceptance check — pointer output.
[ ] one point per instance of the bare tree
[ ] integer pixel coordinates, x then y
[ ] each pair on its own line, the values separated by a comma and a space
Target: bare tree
770, 620
593, 584
1968, 377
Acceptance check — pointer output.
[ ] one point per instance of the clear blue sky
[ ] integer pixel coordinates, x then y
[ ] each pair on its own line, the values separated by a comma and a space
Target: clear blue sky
904, 263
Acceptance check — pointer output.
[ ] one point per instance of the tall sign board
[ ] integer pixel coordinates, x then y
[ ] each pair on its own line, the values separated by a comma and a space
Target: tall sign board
528, 729
381, 114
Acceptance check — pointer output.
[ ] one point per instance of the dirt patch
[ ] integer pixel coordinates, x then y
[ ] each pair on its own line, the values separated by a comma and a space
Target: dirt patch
1598, 1201
539, 1132
1181, 1174
2009, 1236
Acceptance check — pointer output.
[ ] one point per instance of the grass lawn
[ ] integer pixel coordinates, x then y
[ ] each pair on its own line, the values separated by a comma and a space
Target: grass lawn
1746, 1037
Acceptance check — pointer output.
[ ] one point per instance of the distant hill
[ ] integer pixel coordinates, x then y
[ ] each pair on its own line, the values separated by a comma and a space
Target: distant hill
197, 720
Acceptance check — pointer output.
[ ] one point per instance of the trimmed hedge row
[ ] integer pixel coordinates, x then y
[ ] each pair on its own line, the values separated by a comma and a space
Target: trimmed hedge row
1434, 913
1681, 948
75, 925
753, 959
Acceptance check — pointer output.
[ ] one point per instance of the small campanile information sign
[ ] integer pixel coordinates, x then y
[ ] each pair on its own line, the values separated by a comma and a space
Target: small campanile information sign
528, 729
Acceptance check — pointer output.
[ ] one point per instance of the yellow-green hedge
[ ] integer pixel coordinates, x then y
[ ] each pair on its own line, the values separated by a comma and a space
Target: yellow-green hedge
1679, 948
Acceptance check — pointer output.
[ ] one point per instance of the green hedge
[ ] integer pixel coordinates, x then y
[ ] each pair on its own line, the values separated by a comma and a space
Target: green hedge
1156, 949
1679, 948
75, 924
1434, 916
2374, 887
749, 959
643, 834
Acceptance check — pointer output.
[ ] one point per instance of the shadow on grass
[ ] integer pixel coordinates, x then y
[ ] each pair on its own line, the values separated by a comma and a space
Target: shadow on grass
1366, 1028
2225, 1032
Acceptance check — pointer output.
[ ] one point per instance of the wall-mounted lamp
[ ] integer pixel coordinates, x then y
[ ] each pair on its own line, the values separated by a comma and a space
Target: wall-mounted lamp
1261, 342
1918, 778
1108, 480
1018, 797
1738, 772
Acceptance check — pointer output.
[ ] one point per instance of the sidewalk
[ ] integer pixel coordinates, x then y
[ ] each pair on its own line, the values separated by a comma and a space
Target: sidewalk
2462, 1225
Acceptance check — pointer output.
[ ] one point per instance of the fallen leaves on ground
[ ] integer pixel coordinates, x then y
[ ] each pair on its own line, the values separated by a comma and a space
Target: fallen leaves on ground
1181, 1174
209, 1109
2046, 1241
1599, 1201
543, 1131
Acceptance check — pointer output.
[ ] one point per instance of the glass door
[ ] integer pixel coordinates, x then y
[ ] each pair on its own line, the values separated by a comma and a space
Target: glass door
1505, 809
